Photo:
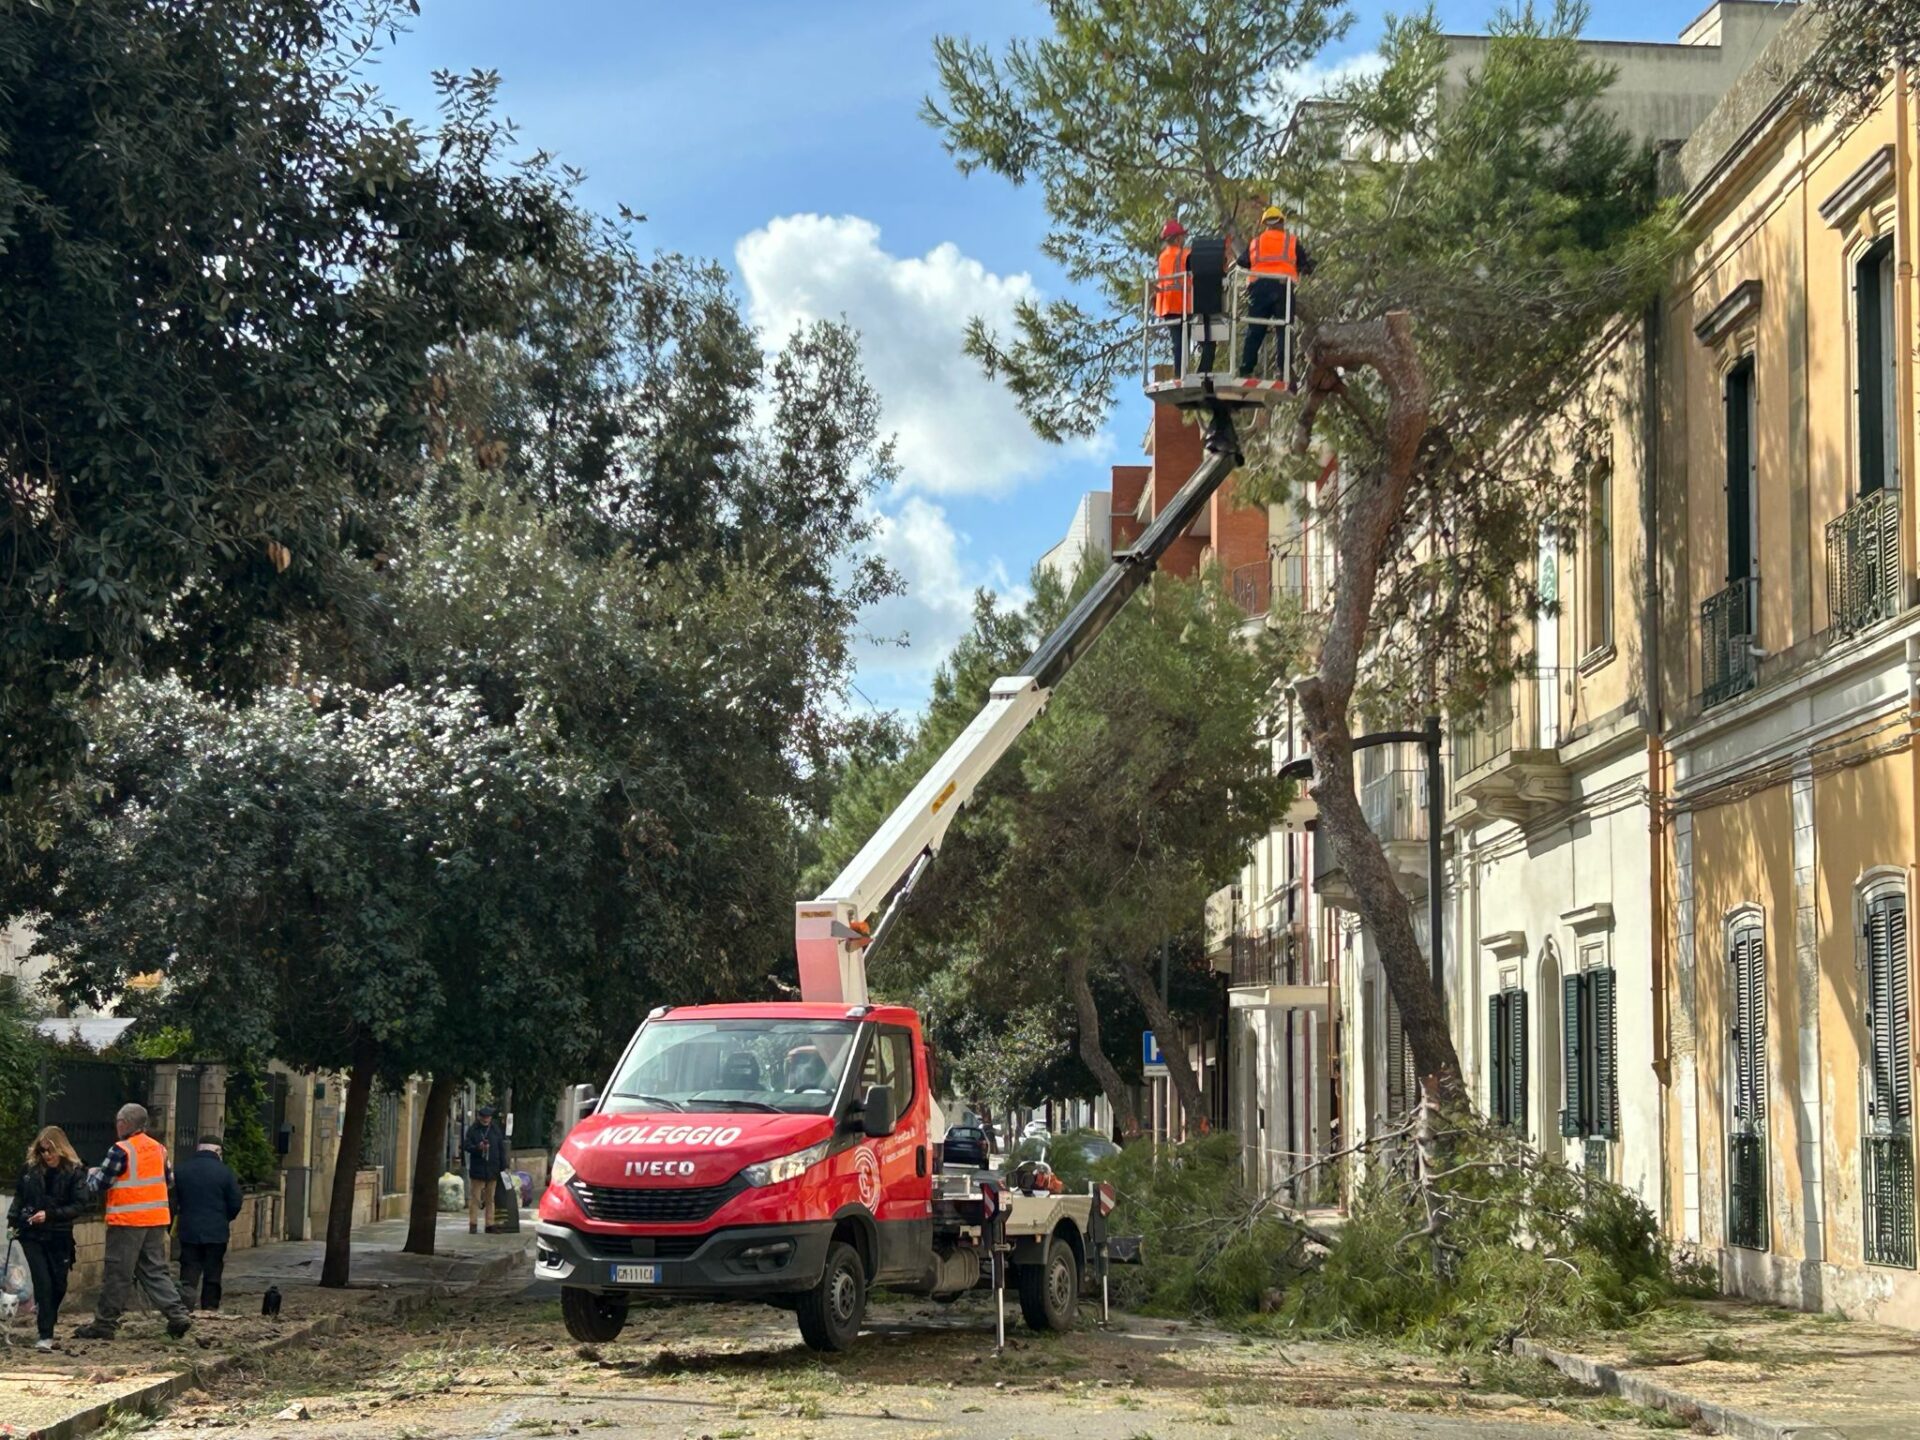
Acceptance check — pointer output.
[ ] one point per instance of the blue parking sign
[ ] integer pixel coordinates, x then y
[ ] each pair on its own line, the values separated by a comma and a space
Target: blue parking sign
1150, 1049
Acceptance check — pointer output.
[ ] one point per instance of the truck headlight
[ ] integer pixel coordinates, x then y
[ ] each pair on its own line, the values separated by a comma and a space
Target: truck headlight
787, 1167
562, 1171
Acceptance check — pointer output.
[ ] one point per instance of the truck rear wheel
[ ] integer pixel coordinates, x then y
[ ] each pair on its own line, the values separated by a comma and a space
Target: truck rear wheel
1050, 1291
592, 1319
831, 1312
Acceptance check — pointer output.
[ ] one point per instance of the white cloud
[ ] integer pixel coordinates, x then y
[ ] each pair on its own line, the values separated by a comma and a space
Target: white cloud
1320, 76
959, 433
919, 540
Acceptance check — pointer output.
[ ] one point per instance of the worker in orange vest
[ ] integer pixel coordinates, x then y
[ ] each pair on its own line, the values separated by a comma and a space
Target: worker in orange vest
138, 1184
1172, 294
1272, 262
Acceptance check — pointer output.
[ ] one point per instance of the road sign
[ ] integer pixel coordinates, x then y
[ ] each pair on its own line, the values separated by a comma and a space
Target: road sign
1152, 1062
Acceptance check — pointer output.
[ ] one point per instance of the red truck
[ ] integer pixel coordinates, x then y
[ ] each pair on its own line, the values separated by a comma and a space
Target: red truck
781, 1153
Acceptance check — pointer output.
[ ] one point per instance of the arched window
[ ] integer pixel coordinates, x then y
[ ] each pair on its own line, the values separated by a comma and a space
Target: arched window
1887, 1144
1747, 1081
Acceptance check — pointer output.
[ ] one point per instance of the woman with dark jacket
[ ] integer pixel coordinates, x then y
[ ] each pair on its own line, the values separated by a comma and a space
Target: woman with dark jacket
49, 1198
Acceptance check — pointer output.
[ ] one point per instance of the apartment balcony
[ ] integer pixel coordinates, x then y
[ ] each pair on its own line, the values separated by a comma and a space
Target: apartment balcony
1252, 588
1221, 917
1395, 804
1304, 577
1863, 563
1728, 622
1507, 763
1276, 968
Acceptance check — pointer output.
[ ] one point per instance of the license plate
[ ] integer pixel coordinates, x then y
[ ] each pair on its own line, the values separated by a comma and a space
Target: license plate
636, 1274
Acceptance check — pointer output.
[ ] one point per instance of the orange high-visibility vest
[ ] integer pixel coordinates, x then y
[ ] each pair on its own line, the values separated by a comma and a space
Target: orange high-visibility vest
1170, 292
1274, 255
139, 1195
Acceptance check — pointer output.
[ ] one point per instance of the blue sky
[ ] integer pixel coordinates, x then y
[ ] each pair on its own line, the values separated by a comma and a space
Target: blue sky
782, 137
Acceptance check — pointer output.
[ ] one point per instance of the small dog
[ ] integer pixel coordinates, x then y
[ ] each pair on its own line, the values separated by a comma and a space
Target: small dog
9, 1312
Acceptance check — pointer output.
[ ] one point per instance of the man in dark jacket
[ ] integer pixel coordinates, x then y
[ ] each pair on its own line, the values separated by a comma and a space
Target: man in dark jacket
206, 1199
486, 1152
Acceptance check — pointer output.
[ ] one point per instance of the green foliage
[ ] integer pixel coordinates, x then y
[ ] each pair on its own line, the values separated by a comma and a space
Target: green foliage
226, 272
1210, 1247
1526, 1246
1130, 112
1135, 795
248, 1149
1861, 44
22, 1051
162, 1042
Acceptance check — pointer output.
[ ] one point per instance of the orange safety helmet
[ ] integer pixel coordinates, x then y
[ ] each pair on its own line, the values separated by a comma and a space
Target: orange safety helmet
1172, 230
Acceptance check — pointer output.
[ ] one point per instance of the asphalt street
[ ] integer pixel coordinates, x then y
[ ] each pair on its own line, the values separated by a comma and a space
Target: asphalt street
501, 1366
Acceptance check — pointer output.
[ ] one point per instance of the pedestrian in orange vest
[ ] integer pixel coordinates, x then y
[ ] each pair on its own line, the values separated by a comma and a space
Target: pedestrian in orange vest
1172, 291
1272, 261
138, 1183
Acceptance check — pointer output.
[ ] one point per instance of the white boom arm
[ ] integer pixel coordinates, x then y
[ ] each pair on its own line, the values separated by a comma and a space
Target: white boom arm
830, 935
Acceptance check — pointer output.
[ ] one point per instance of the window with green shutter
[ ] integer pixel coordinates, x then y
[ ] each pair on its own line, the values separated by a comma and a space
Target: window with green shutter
1887, 1161
1507, 1058
1588, 1056
1747, 1222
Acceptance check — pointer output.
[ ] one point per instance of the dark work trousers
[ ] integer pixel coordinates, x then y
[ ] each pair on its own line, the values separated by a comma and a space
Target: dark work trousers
1172, 326
201, 1267
49, 1257
1266, 300
136, 1258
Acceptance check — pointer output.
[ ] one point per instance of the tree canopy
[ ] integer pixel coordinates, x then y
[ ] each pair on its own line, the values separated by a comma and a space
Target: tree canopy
1477, 235
226, 271
1138, 793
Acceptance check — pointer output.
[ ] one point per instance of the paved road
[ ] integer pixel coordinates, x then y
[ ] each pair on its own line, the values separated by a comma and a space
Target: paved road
502, 1368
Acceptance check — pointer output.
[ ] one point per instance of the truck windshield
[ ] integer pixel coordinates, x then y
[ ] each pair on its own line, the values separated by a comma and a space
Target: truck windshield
721, 1065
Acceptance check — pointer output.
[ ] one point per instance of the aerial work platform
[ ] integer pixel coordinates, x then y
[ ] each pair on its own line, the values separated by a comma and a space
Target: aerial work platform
1192, 358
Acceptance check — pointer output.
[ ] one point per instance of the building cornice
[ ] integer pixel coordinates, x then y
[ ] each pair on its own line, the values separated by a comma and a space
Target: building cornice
1859, 190
1741, 305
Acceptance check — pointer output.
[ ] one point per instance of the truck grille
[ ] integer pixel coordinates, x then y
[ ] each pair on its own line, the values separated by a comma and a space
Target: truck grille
648, 1247
654, 1207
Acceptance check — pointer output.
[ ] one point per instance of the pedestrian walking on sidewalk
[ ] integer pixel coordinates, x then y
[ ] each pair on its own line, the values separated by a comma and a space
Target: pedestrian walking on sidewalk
49, 1198
208, 1195
138, 1183
486, 1152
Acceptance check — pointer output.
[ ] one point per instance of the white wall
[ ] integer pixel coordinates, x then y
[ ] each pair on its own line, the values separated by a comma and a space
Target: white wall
1533, 884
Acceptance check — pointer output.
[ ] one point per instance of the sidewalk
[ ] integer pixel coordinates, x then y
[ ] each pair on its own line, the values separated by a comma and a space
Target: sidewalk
70, 1392
1759, 1373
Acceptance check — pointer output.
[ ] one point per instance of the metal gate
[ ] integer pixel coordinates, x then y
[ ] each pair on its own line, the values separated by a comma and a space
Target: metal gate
381, 1150
186, 1111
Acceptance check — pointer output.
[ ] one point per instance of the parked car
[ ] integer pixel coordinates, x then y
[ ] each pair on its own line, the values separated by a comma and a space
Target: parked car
966, 1145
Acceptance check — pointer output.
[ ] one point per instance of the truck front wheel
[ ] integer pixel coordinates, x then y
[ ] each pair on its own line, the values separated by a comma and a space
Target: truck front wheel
593, 1319
1050, 1291
831, 1312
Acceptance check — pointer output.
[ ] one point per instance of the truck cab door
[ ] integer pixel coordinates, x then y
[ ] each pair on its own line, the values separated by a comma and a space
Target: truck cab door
904, 1159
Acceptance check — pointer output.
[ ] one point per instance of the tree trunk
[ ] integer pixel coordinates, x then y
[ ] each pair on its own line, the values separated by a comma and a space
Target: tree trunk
1370, 511
423, 1213
336, 1267
1111, 1085
1185, 1084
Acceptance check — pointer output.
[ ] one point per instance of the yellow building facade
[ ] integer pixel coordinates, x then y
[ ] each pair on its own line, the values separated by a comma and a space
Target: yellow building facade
1786, 643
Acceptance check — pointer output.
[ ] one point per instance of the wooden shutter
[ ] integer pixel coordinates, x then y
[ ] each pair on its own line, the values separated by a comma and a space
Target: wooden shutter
1497, 1058
1889, 1017
1605, 1104
1749, 996
1573, 1054
1396, 1062
1517, 1059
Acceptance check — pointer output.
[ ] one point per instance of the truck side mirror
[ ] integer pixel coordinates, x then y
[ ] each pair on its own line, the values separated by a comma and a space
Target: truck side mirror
878, 1117
580, 1100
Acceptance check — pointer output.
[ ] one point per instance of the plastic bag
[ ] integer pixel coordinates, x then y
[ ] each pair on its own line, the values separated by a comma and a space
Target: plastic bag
453, 1192
16, 1281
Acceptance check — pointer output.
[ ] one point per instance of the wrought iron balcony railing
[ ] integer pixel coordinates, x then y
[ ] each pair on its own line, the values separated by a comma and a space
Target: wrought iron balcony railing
1728, 622
1252, 587
1395, 804
1863, 563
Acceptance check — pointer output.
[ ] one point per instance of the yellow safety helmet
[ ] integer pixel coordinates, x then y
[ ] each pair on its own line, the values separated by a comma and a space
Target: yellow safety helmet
1271, 214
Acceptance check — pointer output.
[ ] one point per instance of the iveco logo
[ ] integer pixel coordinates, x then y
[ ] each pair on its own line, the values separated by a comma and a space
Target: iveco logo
659, 1167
